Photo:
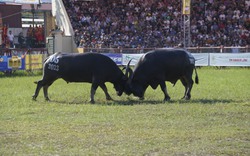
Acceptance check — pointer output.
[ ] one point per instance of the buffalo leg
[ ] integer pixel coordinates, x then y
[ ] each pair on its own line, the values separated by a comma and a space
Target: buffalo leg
188, 84
45, 84
144, 88
104, 88
38, 87
164, 89
45, 89
45, 92
92, 93
183, 81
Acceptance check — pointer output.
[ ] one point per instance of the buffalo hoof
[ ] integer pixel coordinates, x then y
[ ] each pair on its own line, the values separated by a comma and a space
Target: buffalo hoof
47, 99
34, 98
167, 99
141, 98
109, 99
186, 98
92, 101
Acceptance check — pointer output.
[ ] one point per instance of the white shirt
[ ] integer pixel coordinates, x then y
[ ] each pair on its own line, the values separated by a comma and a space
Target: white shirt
11, 37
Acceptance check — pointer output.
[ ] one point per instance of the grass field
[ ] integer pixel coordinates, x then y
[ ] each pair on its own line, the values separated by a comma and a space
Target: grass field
216, 121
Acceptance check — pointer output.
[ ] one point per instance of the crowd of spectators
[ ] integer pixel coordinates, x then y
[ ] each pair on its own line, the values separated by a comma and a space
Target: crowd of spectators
158, 23
34, 38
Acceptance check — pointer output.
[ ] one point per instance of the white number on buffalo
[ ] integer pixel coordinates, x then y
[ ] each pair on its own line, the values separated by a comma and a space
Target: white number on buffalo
53, 67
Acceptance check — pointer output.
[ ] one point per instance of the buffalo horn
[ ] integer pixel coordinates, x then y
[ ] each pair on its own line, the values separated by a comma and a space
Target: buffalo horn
129, 71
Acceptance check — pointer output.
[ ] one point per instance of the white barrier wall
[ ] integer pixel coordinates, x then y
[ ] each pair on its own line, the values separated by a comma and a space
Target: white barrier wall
126, 57
204, 59
201, 59
229, 59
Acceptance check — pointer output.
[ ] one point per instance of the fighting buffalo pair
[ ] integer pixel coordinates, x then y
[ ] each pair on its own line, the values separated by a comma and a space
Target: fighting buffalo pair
153, 69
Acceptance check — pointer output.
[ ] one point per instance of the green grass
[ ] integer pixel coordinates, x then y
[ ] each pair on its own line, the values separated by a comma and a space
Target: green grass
216, 121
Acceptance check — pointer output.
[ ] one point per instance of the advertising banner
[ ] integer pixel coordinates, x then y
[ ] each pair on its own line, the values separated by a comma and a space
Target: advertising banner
201, 59
45, 1
13, 62
27, 1
7, 1
186, 7
229, 59
3, 63
126, 57
117, 58
33, 62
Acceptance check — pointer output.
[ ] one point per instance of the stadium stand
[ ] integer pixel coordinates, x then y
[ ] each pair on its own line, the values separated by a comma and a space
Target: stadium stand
158, 23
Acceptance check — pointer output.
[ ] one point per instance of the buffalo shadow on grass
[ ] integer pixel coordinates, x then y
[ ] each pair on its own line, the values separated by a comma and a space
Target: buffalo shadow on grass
130, 102
204, 101
111, 102
180, 101
74, 102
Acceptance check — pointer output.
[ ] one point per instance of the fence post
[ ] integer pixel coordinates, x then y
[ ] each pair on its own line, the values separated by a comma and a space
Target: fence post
30, 60
221, 49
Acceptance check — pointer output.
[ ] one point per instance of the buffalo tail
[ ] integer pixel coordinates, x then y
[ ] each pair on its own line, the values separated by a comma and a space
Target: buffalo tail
196, 76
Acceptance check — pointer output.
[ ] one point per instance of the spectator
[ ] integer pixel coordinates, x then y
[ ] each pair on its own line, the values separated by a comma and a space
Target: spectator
39, 35
21, 39
4, 34
82, 43
11, 39
30, 34
147, 23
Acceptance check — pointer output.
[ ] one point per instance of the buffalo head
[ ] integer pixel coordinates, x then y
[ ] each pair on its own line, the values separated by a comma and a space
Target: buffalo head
137, 88
120, 85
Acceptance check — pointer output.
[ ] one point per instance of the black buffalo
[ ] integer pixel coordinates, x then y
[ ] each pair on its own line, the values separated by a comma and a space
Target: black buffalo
88, 67
158, 66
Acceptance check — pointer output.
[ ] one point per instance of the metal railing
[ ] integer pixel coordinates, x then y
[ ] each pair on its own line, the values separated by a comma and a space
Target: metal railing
220, 49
